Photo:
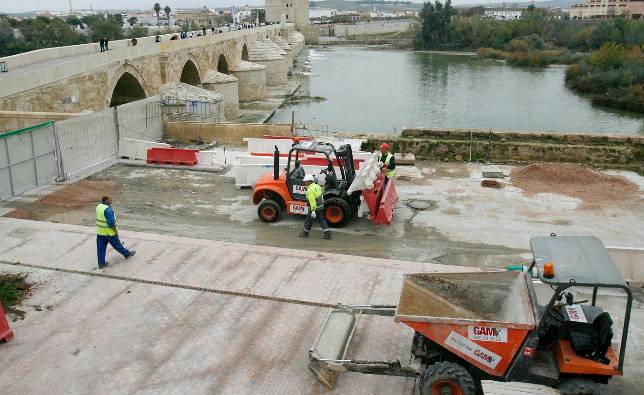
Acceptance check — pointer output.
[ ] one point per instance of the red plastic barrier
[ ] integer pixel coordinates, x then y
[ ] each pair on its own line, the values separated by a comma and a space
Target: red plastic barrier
6, 333
172, 156
381, 200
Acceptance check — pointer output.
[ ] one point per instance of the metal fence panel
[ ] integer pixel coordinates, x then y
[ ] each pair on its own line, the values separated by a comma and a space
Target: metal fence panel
141, 120
28, 159
87, 141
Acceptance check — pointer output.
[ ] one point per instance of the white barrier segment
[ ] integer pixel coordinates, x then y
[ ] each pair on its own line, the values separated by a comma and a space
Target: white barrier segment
137, 149
629, 261
268, 145
215, 156
356, 144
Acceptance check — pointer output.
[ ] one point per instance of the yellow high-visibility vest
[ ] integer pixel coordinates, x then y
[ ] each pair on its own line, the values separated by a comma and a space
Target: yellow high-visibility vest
390, 173
102, 228
314, 196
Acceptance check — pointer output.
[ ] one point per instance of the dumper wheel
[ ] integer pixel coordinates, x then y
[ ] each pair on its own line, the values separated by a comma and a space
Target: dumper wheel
447, 378
268, 210
336, 212
580, 387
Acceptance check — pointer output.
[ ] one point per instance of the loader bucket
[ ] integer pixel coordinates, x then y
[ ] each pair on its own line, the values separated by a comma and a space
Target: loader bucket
332, 343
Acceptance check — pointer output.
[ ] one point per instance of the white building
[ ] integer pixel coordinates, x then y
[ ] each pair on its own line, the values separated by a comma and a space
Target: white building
315, 13
504, 14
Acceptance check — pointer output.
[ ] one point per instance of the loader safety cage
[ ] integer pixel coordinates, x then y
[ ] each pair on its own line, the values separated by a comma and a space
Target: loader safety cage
580, 261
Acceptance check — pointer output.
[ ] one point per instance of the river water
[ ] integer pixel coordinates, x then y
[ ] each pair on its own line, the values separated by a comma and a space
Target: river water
381, 90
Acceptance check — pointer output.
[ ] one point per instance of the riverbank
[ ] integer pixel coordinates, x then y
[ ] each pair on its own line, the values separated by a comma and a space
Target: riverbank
477, 145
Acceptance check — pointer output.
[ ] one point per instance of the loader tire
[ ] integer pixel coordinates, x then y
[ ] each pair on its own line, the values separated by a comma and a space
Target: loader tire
447, 378
336, 212
269, 211
581, 387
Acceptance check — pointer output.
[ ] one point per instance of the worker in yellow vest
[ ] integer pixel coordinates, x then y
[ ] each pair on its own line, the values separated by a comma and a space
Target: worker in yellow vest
388, 161
106, 232
315, 199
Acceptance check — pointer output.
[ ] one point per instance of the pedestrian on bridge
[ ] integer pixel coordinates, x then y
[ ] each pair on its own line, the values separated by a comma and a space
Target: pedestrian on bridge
102, 42
107, 233
106, 44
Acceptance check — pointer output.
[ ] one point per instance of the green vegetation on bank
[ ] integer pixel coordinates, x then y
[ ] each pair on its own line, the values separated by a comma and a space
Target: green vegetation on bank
605, 58
614, 75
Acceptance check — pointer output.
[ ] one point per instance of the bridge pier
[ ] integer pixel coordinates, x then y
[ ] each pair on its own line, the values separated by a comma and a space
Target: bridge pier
267, 55
227, 85
288, 51
251, 80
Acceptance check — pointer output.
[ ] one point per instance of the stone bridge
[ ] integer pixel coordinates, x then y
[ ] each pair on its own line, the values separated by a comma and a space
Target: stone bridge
238, 64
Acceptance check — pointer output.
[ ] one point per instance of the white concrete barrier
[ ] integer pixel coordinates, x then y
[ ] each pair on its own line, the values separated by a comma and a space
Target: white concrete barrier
137, 149
630, 262
215, 156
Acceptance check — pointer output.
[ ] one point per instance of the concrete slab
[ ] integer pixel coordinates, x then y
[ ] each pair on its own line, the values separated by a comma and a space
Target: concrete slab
104, 334
155, 323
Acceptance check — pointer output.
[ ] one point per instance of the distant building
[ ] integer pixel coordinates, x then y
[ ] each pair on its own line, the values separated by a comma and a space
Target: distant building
199, 17
603, 9
294, 11
318, 13
504, 14
241, 15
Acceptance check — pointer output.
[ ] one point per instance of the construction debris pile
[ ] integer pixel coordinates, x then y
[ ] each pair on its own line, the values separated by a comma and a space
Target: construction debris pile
573, 180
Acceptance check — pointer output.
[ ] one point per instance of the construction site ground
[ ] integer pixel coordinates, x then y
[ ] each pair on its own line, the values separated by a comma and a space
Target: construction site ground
165, 320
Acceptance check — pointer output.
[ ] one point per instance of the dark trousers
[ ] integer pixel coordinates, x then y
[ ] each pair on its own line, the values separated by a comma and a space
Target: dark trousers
308, 222
101, 247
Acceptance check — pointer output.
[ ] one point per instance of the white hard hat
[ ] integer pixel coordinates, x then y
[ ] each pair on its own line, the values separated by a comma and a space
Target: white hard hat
308, 177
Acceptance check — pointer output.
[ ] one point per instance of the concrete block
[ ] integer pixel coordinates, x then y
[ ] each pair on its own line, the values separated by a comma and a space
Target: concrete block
137, 149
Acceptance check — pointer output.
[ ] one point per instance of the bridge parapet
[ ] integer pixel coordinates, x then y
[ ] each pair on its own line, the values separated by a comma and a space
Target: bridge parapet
37, 68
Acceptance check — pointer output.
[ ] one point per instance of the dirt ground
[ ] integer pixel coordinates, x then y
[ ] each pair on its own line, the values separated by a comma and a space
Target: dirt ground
443, 214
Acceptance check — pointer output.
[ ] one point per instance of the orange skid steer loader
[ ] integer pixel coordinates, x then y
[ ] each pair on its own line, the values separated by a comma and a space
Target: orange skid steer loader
284, 191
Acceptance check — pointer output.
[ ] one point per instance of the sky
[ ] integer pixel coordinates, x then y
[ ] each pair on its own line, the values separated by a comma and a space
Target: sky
13, 6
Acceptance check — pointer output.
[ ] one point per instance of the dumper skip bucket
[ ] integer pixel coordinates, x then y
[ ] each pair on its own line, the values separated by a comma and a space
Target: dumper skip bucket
481, 317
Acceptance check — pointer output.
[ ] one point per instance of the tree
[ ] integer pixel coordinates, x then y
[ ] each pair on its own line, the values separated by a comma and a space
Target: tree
435, 20
167, 13
7, 40
132, 20
102, 27
157, 10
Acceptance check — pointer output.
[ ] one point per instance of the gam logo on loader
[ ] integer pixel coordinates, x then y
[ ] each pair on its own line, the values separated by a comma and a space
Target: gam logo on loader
487, 333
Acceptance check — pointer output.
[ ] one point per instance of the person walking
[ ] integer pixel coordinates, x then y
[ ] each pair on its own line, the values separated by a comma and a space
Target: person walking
102, 42
316, 208
106, 42
107, 233
388, 161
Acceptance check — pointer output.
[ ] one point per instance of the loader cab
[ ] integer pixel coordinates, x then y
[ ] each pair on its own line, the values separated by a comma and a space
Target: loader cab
334, 181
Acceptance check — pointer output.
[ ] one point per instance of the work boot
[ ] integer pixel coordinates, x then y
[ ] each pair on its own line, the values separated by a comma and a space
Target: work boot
132, 253
327, 235
303, 234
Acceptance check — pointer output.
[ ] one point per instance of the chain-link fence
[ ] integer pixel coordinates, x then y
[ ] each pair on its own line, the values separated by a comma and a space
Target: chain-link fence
28, 158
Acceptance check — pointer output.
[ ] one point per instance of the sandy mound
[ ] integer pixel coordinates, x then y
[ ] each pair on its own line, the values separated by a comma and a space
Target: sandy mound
571, 180
20, 214
80, 194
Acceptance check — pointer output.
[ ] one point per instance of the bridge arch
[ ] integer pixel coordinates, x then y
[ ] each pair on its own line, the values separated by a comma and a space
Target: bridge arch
244, 53
222, 64
190, 73
128, 87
